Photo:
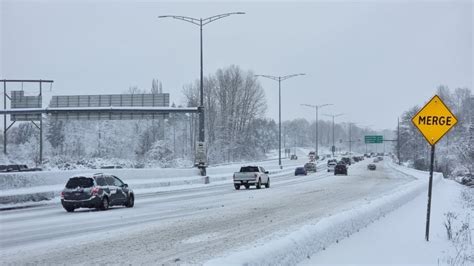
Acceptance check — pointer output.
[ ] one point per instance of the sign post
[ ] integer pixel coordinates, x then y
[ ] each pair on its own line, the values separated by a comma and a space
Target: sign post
201, 157
434, 120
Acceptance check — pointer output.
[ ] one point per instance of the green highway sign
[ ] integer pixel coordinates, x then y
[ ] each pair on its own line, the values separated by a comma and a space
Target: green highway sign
374, 139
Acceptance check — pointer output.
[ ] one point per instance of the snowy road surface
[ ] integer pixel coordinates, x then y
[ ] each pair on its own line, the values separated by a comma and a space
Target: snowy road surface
189, 226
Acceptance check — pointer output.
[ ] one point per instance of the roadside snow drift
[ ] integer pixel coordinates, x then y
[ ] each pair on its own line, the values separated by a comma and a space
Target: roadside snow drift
316, 236
23, 188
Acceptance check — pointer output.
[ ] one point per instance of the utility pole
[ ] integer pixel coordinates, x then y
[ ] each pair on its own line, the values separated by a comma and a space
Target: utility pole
350, 138
279, 79
398, 141
316, 107
333, 148
41, 126
4, 117
201, 22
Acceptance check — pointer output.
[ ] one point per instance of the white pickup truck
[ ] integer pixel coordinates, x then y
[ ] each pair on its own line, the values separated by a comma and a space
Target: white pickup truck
251, 175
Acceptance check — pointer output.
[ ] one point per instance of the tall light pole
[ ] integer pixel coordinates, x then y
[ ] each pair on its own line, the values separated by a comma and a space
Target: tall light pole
201, 22
279, 79
333, 148
398, 139
316, 107
350, 136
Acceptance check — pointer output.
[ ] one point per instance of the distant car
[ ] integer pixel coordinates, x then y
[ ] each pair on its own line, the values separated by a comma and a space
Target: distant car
96, 191
331, 166
465, 179
17, 168
376, 160
340, 169
332, 160
371, 166
293, 157
111, 167
300, 171
380, 158
310, 167
347, 160
342, 162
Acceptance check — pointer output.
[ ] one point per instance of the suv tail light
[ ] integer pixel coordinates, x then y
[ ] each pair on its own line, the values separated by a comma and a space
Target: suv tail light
94, 191
62, 194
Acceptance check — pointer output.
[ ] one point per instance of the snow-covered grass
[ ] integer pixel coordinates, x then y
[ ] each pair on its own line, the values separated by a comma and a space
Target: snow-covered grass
396, 237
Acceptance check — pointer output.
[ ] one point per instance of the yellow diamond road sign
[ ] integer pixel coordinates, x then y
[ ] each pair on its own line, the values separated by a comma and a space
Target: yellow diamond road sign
434, 120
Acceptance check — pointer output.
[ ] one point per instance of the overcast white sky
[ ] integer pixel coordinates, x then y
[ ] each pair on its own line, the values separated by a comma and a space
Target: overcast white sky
372, 60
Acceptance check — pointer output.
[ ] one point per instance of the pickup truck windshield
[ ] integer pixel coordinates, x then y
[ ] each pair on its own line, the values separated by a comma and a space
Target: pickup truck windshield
249, 169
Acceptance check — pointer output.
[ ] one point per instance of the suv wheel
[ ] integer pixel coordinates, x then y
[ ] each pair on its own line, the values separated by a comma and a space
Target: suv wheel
130, 201
259, 184
237, 186
69, 209
267, 185
104, 205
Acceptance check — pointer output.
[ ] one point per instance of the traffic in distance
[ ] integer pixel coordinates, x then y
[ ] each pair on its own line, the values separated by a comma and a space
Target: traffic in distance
102, 191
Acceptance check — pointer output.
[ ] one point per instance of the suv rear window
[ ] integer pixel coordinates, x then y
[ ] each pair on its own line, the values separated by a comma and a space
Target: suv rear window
100, 181
248, 169
80, 182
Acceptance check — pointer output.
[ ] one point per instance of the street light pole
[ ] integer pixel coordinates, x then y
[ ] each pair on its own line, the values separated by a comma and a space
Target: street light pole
350, 138
366, 131
279, 123
316, 107
202, 136
201, 22
333, 148
279, 79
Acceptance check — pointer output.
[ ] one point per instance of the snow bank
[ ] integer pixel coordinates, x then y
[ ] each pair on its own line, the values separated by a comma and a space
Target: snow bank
316, 236
24, 187
45, 185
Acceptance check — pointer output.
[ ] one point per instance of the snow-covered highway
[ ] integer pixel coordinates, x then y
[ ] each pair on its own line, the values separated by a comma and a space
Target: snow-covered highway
188, 226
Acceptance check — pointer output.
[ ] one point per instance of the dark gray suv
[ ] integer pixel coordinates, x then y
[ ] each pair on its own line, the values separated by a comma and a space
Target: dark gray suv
96, 191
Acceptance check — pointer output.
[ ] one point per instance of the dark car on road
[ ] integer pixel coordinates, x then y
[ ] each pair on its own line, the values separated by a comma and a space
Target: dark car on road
96, 191
310, 167
371, 166
17, 168
340, 169
346, 160
301, 171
